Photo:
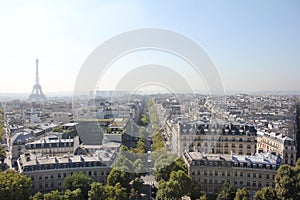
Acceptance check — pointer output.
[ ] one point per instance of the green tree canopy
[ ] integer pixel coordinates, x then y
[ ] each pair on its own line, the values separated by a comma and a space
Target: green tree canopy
196, 190
144, 120
140, 146
72, 195
184, 181
158, 141
116, 192
37, 196
119, 177
167, 190
14, 185
2, 154
266, 193
287, 182
53, 195
227, 192
178, 186
97, 191
77, 180
242, 194
163, 171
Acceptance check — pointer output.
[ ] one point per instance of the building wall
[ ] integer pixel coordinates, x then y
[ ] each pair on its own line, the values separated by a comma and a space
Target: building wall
47, 180
284, 147
221, 139
214, 173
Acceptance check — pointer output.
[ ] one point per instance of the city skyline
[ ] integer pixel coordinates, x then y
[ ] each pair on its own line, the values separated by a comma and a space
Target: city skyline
254, 45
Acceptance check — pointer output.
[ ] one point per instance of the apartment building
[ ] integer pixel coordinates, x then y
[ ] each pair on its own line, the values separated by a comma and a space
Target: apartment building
220, 138
279, 144
51, 145
250, 171
47, 173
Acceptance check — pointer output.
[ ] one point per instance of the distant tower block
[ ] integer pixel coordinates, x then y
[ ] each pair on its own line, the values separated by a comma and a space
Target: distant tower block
37, 93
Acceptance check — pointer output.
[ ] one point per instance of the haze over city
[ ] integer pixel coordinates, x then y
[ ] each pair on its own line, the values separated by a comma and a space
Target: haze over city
145, 100
255, 45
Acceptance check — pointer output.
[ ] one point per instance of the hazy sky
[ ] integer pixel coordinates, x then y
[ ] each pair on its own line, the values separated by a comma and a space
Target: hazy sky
255, 45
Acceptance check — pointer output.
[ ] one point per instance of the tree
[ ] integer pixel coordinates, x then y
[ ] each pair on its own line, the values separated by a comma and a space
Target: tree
139, 167
203, 197
141, 146
119, 177
72, 195
178, 186
134, 194
14, 185
227, 192
287, 182
2, 154
167, 190
242, 194
298, 163
37, 196
136, 184
144, 120
77, 180
195, 190
97, 191
53, 195
163, 171
184, 182
266, 193
115, 192
158, 141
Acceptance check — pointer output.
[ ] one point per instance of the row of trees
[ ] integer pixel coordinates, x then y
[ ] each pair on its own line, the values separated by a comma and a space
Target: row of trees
153, 116
2, 150
78, 186
173, 184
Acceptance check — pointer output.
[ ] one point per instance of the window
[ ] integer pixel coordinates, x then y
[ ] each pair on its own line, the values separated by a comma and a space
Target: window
248, 183
259, 184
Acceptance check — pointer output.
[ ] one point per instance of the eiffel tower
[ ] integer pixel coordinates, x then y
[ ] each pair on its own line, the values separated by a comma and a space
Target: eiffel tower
37, 93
